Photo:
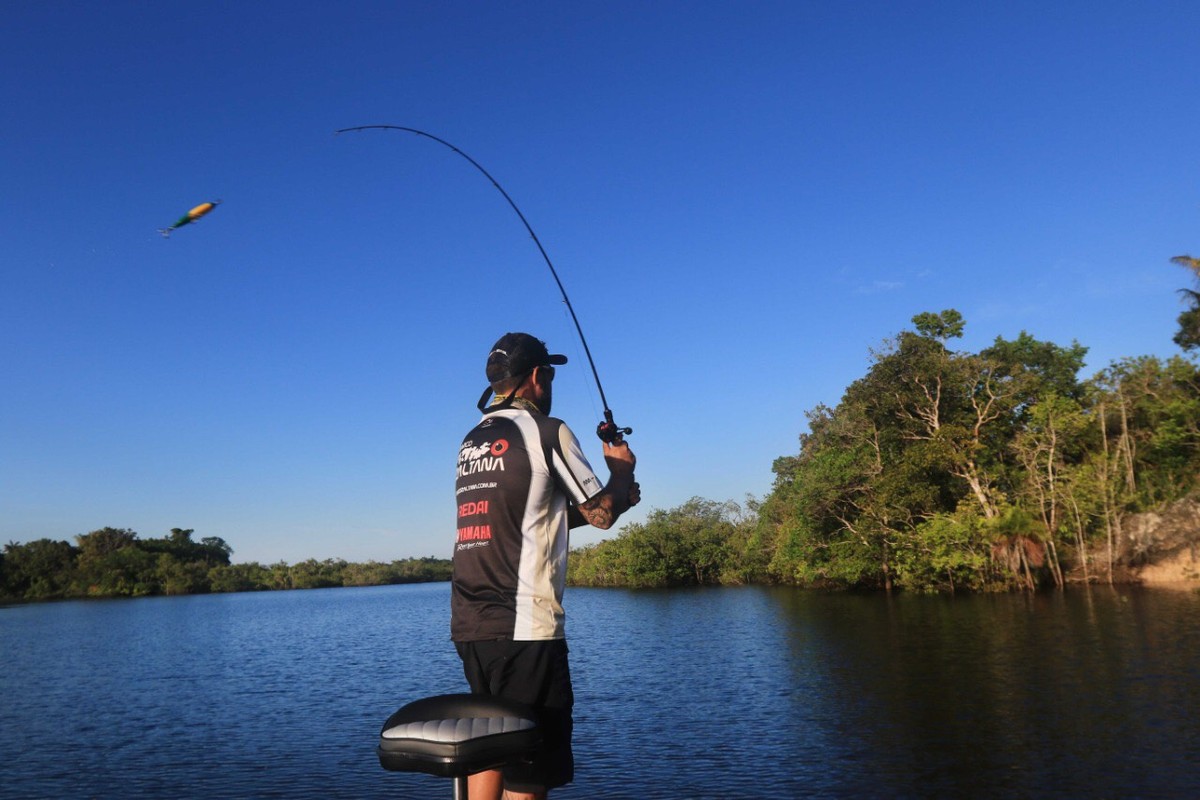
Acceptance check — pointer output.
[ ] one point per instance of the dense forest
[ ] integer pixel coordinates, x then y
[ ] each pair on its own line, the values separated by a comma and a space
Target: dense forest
943, 470
115, 562
939, 470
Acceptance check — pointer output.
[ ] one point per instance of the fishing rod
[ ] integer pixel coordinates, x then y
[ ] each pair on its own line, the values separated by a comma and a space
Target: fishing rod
608, 431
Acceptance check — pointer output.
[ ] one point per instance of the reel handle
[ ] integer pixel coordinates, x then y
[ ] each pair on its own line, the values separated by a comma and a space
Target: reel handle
608, 430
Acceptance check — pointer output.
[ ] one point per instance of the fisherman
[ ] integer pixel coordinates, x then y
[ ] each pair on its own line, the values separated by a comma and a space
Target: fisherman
523, 481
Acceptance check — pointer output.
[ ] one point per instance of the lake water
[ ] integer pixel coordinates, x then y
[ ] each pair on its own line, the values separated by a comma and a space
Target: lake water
715, 693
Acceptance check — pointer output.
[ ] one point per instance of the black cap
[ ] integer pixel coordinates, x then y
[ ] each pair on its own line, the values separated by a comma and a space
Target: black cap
515, 354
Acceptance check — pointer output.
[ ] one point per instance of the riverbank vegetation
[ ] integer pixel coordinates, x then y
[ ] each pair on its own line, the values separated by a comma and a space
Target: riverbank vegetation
116, 562
944, 470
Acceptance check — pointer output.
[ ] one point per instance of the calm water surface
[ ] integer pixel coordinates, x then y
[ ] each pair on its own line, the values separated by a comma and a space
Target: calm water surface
749, 692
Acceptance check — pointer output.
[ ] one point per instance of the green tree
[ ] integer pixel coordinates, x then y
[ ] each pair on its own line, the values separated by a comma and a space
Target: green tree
697, 543
749, 551
837, 516
912, 478
111, 564
945, 553
1051, 368
1188, 336
1017, 546
313, 574
1052, 441
249, 577
39, 570
1149, 412
935, 411
942, 326
704, 531
600, 564
181, 577
215, 551
105, 541
279, 576
372, 573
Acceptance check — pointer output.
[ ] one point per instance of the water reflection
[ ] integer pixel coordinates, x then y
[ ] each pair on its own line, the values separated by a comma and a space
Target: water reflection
1084, 694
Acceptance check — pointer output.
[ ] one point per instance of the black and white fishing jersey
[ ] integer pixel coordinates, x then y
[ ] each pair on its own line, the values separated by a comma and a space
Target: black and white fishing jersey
517, 471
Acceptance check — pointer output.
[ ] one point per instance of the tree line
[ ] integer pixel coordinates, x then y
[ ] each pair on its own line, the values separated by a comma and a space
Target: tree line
116, 562
945, 470
938, 470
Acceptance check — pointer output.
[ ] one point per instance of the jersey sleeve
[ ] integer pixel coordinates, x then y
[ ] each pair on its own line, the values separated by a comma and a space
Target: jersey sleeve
571, 469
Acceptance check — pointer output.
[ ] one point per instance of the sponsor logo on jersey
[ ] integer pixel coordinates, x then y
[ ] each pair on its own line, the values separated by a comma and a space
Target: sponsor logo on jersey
474, 533
484, 457
472, 508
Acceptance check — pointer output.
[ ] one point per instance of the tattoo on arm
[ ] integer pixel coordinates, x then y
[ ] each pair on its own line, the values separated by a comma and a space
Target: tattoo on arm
598, 511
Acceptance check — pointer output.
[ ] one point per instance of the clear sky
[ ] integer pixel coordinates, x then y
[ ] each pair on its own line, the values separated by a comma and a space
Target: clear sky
742, 199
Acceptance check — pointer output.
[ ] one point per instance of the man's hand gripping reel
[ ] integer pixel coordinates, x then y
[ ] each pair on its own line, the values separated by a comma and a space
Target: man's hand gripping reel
608, 431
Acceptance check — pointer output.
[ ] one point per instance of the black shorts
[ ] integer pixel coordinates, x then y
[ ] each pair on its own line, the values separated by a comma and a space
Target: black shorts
536, 674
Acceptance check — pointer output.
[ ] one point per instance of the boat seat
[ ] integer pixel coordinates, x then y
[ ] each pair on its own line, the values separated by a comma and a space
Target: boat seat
455, 735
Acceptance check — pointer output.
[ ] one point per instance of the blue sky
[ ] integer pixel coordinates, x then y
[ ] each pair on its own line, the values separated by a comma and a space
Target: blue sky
742, 199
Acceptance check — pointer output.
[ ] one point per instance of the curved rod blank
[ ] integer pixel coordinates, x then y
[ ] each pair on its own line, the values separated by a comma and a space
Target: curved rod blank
607, 412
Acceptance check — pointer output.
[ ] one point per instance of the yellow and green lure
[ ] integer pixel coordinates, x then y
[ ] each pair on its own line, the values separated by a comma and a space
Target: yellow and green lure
191, 216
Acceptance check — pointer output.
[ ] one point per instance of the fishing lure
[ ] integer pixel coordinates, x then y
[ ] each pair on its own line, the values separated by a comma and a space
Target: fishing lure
191, 216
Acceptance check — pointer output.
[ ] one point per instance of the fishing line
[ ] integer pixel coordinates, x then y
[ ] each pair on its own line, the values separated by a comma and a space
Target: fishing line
606, 430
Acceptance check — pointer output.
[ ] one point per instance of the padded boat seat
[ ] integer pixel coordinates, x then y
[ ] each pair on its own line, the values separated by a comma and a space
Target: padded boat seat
455, 735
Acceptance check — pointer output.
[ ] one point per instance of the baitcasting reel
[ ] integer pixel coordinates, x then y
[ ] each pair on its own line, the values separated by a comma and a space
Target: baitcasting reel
608, 430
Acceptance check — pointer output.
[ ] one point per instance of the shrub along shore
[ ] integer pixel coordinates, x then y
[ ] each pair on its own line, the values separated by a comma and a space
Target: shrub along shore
115, 562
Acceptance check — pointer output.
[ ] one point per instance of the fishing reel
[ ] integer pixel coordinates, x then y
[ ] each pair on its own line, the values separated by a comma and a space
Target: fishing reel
608, 431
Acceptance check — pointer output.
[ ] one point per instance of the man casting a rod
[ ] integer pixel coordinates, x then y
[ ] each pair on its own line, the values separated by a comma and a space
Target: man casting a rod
522, 483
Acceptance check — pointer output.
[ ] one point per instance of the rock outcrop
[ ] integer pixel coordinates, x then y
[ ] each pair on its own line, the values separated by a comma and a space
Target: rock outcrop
1163, 547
